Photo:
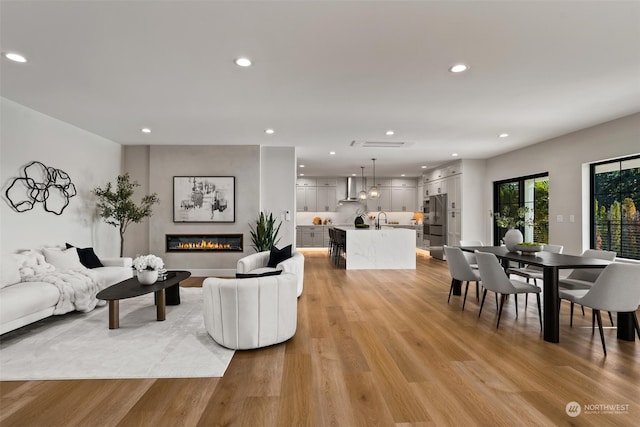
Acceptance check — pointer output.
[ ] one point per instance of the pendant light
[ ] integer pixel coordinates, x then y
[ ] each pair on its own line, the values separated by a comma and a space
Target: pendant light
373, 190
363, 192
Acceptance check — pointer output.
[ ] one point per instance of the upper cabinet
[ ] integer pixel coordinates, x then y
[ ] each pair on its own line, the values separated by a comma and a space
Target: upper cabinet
326, 200
382, 203
321, 194
403, 199
326, 182
306, 199
316, 194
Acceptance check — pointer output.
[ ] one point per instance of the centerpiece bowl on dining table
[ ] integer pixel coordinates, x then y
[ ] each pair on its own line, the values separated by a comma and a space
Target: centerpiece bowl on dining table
529, 248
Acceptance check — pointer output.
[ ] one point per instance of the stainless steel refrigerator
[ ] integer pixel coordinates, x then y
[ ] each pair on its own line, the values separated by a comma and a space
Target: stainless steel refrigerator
437, 225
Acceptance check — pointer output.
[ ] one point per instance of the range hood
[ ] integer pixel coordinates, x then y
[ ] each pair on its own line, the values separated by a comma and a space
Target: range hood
352, 192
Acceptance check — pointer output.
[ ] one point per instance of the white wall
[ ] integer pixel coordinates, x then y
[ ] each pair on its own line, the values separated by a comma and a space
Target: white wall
278, 190
565, 158
473, 178
90, 161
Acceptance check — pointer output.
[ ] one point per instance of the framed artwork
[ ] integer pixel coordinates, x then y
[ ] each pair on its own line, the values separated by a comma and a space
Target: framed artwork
204, 199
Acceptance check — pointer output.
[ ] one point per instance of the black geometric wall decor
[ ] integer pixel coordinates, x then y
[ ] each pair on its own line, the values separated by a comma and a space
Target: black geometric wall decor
44, 184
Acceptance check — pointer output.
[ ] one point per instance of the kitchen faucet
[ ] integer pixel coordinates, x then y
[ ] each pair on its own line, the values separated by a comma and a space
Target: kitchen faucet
378, 221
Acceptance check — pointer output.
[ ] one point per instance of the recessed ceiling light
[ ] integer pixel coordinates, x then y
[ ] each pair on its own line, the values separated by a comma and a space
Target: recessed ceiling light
15, 57
301, 174
269, 131
354, 174
454, 154
459, 68
503, 135
301, 166
389, 133
402, 174
145, 130
332, 153
423, 167
243, 62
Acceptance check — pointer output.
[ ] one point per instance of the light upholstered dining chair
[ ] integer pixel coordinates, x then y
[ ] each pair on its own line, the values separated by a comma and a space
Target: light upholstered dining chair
495, 279
617, 288
471, 258
460, 270
584, 278
533, 271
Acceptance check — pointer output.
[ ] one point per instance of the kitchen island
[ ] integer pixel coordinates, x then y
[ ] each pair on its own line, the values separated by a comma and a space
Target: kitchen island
387, 248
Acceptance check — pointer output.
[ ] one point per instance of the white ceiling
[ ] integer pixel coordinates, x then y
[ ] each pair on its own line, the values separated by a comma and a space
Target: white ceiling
327, 73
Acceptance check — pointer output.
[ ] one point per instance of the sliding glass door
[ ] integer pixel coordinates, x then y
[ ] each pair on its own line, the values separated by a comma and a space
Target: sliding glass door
529, 191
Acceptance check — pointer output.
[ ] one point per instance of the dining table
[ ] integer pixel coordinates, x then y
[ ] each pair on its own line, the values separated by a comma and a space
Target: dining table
551, 264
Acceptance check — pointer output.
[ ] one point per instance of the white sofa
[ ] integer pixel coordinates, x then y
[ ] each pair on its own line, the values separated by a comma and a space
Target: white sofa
257, 264
24, 298
250, 313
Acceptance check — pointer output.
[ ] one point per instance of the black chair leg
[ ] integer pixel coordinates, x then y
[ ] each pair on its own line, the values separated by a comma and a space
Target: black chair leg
539, 310
484, 294
477, 292
466, 290
610, 318
450, 290
635, 322
593, 322
571, 315
582, 306
496, 300
502, 298
599, 318
516, 298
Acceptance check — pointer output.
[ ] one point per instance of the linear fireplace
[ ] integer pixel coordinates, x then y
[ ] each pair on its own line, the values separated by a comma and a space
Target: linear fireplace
205, 243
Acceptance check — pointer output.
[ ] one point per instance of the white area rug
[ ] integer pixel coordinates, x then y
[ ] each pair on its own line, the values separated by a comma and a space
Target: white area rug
81, 345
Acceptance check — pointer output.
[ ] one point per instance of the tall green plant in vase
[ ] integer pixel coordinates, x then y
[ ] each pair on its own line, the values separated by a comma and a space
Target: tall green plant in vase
265, 233
117, 208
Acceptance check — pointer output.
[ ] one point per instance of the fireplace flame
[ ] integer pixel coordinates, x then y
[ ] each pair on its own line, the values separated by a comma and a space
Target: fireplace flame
203, 244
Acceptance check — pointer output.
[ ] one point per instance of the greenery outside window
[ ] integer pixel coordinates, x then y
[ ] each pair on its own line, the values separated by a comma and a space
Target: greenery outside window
530, 191
615, 196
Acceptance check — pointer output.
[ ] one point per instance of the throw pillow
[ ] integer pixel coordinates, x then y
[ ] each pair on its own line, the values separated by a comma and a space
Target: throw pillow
63, 260
278, 255
88, 257
250, 275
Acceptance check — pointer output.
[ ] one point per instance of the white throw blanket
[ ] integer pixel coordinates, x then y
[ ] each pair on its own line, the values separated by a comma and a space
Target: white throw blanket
78, 289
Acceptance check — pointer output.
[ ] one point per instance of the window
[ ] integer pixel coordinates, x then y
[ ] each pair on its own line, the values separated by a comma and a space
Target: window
615, 194
530, 191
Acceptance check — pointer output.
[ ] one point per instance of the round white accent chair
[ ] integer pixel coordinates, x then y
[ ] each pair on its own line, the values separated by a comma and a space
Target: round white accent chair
257, 264
249, 313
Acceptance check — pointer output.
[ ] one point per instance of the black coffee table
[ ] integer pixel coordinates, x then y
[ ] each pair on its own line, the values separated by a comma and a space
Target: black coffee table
132, 288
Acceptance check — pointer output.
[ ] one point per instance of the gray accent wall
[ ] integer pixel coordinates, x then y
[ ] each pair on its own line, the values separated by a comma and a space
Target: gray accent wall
262, 177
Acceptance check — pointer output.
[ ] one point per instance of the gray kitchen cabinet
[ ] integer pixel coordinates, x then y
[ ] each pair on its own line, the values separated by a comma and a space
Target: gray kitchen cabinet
403, 199
306, 182
306, 199
326, 200
311, 237
382, 203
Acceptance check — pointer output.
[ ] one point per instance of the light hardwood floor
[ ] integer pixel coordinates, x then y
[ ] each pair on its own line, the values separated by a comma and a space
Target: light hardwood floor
372, 348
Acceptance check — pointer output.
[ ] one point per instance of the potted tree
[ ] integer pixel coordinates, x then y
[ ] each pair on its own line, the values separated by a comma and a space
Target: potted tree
118, 208
265, 234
